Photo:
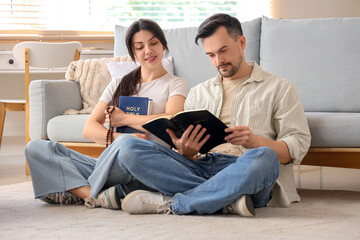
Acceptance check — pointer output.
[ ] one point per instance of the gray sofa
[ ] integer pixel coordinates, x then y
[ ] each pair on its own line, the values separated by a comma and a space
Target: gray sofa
321, 57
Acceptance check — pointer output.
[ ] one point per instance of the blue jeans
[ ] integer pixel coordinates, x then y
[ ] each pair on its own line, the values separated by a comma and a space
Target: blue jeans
206, 185
55, 168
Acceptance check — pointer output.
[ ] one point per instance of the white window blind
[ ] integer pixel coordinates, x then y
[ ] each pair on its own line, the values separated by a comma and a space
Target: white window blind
98, 17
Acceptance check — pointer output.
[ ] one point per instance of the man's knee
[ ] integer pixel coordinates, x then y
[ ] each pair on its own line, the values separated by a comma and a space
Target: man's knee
270, 156
263, 159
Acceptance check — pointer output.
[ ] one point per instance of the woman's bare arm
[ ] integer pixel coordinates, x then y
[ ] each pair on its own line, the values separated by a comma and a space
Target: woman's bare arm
174, 105
94, 129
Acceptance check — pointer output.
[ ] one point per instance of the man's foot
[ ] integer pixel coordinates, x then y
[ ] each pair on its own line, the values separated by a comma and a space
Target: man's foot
243, 206
65, 198
142, 202
108, 198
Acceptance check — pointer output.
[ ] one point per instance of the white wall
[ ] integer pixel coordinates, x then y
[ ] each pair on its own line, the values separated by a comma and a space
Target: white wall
295, 9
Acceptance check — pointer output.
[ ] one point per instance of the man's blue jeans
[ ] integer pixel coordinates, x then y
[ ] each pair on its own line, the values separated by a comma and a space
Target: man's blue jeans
206, 185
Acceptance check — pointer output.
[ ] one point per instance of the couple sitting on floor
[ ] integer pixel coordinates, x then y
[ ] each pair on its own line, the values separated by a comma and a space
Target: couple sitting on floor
266, 124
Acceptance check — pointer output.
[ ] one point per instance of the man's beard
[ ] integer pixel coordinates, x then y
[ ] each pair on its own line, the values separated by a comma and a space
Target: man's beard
233, 70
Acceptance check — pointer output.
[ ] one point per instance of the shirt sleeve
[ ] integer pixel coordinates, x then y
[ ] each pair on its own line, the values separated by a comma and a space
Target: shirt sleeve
189, 102
178, 87
290, 122
109, 90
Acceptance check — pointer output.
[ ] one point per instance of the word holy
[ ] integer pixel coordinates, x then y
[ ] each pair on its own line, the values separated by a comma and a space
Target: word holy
132, 109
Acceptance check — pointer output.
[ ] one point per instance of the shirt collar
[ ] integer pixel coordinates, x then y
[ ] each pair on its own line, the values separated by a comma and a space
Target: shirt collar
256, 74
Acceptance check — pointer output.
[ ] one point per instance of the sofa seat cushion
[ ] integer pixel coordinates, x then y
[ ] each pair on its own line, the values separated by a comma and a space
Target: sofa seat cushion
330, 129
67, 128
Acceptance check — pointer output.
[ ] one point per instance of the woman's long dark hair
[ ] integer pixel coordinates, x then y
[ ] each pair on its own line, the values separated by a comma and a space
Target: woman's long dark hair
128, 84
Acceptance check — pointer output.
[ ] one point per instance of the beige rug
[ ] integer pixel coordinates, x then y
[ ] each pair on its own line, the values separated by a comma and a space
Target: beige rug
320, 215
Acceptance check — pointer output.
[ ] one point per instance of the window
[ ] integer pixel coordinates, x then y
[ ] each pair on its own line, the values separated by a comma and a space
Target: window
90, 18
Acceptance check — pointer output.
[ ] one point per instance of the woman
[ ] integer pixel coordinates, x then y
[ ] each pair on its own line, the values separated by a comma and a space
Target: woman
61, 175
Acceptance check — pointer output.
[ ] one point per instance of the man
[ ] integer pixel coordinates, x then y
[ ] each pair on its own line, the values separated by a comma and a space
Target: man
268, 132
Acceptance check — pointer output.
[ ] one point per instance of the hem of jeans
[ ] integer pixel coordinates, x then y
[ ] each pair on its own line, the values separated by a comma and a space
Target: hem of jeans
174, 206
59, 191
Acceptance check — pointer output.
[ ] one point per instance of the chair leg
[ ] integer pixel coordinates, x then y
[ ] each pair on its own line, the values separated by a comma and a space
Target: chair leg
2, 119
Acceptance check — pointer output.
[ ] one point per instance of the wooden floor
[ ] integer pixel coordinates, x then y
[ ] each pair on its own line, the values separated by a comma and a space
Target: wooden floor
12, 160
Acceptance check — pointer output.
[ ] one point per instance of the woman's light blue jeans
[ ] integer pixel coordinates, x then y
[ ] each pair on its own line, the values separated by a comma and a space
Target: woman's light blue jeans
55, 168
206, 185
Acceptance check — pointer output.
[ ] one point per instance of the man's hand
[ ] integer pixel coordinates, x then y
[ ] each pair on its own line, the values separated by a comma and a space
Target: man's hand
189, 144
242, 135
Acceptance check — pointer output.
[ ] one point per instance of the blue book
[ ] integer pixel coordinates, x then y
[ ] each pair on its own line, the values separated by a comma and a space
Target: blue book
136, 106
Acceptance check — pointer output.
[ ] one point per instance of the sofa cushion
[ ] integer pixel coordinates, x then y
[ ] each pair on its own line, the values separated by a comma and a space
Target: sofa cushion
319, 56
67, 128
330, 129
190, 60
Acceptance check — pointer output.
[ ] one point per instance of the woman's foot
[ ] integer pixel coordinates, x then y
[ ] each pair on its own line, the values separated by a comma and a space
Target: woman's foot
108, 198
65, 198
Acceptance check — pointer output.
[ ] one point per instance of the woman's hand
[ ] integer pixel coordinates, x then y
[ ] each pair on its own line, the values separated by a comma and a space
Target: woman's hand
189, 144
117, 115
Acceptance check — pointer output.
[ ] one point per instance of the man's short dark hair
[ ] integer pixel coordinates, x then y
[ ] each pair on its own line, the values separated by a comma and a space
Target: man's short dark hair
211, 24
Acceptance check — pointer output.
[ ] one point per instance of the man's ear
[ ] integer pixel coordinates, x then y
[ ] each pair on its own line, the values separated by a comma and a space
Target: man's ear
242, 41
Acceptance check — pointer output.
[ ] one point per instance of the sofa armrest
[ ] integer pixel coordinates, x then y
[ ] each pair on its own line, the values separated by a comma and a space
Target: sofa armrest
50, 98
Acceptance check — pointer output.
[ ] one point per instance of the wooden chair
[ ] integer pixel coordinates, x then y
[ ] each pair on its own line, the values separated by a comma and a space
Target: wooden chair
7, 105
40, 55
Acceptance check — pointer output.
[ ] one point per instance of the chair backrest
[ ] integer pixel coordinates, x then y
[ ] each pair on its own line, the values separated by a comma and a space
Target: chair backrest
47, 55
43, 55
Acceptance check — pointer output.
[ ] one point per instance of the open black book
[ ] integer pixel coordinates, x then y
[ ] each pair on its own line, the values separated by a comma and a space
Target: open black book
181, 121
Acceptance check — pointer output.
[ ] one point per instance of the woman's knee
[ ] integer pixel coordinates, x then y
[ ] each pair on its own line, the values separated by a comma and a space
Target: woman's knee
34, 146
123, 137
127, 156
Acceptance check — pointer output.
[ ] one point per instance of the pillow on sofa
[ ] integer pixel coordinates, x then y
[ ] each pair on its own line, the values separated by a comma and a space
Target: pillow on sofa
119, 69
93, 76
